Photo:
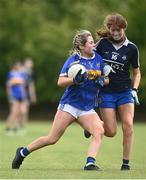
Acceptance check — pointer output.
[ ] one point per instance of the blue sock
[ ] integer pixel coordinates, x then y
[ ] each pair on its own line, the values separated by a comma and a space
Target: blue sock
24, 152
90, 160
125, 161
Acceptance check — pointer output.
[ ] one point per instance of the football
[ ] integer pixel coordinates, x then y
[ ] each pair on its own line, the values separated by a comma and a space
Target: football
74, 69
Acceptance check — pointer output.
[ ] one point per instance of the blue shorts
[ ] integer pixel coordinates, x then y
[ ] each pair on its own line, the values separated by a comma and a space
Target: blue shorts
17, 97
113, 100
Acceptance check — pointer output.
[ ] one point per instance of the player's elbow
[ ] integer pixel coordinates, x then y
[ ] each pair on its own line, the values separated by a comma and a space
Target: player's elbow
59, 83
64, 82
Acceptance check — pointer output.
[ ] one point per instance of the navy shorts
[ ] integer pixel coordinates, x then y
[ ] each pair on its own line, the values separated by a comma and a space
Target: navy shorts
113, 100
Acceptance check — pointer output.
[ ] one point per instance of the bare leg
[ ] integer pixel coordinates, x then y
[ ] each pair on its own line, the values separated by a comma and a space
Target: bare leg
61, 121
94, 125
13, 117
126, 112
23, 113
108, 115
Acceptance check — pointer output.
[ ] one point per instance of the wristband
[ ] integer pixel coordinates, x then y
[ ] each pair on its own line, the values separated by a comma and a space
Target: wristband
106, 77
134, 89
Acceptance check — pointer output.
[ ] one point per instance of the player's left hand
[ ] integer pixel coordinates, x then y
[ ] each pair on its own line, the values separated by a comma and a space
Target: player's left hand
135, 96
107, 70
93, 74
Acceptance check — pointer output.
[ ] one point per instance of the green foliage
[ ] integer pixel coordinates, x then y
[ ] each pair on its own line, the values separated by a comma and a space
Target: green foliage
44, 30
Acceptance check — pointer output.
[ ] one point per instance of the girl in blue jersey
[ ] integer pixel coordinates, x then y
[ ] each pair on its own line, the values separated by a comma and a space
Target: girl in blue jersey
121, 93
17, 98
76, 104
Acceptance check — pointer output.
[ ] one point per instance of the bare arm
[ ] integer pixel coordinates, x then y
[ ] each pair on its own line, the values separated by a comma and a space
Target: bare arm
64, 81
8, 89
136, 78
32, 92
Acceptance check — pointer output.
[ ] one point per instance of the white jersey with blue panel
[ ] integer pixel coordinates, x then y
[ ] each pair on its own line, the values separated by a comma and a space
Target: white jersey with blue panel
120, 59
82, 96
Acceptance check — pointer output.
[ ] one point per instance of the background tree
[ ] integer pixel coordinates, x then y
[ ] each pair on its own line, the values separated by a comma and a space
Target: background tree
44, 30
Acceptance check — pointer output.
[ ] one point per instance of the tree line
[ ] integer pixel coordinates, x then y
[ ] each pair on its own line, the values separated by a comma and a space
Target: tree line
44, 30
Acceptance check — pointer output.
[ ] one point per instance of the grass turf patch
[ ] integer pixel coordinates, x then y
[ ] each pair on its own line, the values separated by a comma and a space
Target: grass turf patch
66, 159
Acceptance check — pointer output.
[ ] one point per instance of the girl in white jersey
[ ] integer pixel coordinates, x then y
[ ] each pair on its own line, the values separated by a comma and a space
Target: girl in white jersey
76, 104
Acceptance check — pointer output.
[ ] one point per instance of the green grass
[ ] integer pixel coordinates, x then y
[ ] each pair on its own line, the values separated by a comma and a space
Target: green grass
66, 159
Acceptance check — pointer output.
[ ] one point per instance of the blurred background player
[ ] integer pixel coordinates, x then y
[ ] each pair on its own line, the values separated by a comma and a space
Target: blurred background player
29, 86
76, 104
17, 98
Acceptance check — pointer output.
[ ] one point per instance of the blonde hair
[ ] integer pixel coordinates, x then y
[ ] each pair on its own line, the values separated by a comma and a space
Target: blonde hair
79, 39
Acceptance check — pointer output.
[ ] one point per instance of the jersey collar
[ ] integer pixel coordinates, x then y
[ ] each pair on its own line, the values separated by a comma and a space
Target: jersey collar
83, 57
125, 43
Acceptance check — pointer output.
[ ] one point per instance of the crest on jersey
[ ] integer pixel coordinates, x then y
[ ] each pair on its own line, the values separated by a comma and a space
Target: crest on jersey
124, 58
114, 56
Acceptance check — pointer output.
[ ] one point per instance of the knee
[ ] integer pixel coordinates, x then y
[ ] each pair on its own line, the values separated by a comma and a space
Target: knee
99, 131
51, 140
128, 128
110, 133
23, 111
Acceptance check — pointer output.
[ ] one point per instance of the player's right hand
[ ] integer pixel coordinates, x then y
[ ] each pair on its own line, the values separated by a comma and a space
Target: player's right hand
80, 78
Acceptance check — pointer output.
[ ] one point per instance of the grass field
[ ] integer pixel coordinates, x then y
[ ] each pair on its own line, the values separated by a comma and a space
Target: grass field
66, 159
